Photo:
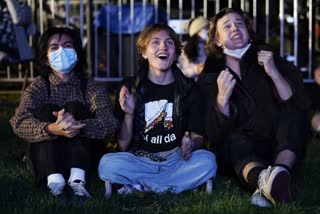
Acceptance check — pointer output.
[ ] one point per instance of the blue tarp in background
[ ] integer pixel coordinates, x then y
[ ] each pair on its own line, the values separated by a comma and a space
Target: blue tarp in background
138, 23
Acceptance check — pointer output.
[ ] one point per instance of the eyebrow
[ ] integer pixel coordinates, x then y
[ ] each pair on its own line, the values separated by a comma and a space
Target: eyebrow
62, 44
169, 38
226, 21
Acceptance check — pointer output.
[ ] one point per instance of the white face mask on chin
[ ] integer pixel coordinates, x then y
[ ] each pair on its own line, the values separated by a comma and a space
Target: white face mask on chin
237, 53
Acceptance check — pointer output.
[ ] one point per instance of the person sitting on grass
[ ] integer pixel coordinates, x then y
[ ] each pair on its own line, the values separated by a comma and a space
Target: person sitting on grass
256, 109
161, 127
60, 113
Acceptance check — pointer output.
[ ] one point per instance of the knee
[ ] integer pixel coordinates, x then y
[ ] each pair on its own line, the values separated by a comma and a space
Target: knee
78, 110
112, 163
44, 114
208, 161
105, 164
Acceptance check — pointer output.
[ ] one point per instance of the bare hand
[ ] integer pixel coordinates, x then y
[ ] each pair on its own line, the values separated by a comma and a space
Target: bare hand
265, 58
126, 101
226, 83
186, 146
65, 125
315, 121
71, 132
64, 119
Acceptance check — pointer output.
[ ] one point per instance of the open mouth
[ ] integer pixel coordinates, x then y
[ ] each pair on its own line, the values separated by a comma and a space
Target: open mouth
237, 36
163, 56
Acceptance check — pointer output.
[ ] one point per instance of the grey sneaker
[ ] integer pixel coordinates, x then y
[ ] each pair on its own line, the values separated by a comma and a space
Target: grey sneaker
274, 184
258, 199
57, 191
80, 192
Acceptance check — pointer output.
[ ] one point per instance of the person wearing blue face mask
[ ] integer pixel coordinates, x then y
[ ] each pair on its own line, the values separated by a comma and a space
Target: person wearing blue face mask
63, 60
61, 114
256, 109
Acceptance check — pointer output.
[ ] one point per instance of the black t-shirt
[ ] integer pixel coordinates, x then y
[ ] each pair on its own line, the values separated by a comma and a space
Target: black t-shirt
159, 131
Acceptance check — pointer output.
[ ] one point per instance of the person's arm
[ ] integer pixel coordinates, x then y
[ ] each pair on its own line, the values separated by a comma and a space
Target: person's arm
265, 58
127, 105
217, 124
124, 135
24, 123
226, 83
104, 122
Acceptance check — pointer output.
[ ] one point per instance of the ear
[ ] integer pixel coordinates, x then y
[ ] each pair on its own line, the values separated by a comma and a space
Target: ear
218, 43
144, 56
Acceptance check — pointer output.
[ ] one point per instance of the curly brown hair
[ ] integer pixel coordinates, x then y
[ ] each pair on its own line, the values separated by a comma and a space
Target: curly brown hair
211, 47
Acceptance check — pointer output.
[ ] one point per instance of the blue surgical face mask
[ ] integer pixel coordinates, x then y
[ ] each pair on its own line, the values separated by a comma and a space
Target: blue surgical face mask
63, 60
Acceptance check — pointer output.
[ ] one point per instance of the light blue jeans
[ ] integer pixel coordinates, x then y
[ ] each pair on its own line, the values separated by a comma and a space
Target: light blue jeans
174, 175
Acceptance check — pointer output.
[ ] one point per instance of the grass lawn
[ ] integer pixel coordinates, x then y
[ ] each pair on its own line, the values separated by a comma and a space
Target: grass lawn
19, 195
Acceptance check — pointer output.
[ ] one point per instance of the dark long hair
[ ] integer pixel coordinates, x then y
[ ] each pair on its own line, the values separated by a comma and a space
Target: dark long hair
191, 48
42, 60
211, 47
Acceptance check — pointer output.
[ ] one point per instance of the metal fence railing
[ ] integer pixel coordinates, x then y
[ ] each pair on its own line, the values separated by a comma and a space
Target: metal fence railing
109, 28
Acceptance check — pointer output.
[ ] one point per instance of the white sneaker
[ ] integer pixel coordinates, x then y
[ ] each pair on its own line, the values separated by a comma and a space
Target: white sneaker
258, 199
56, 188
57, 191
274, 184
79, 189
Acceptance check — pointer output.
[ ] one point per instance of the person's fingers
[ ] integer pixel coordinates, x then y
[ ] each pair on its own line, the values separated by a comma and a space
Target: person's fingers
124, 92
78, 126
66, 121
71, 133
60, 116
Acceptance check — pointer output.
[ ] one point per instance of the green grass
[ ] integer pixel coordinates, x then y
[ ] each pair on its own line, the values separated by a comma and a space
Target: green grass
19, 195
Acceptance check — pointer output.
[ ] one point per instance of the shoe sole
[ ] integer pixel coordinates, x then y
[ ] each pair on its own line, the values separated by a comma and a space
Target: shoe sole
257, 202
280, 188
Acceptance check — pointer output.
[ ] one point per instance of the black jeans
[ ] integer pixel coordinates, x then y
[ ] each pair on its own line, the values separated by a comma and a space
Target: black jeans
61, 154
240, 149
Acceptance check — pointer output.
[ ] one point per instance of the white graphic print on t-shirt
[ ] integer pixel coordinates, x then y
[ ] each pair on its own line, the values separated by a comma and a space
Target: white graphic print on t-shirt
159, 113
155, 112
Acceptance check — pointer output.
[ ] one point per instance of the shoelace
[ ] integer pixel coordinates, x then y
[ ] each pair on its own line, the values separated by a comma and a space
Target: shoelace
79, 189
261, 178
56, 188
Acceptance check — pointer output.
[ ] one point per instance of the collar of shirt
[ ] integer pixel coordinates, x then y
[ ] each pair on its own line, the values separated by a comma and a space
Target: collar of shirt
55, 80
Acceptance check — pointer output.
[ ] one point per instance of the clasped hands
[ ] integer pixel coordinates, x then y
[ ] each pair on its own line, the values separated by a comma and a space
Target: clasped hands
65, 125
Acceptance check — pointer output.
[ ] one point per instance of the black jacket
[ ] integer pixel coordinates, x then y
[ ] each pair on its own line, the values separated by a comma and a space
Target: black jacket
254, 103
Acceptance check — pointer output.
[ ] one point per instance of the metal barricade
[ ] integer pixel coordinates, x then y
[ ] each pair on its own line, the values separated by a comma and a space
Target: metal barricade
289, 26
19, 71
